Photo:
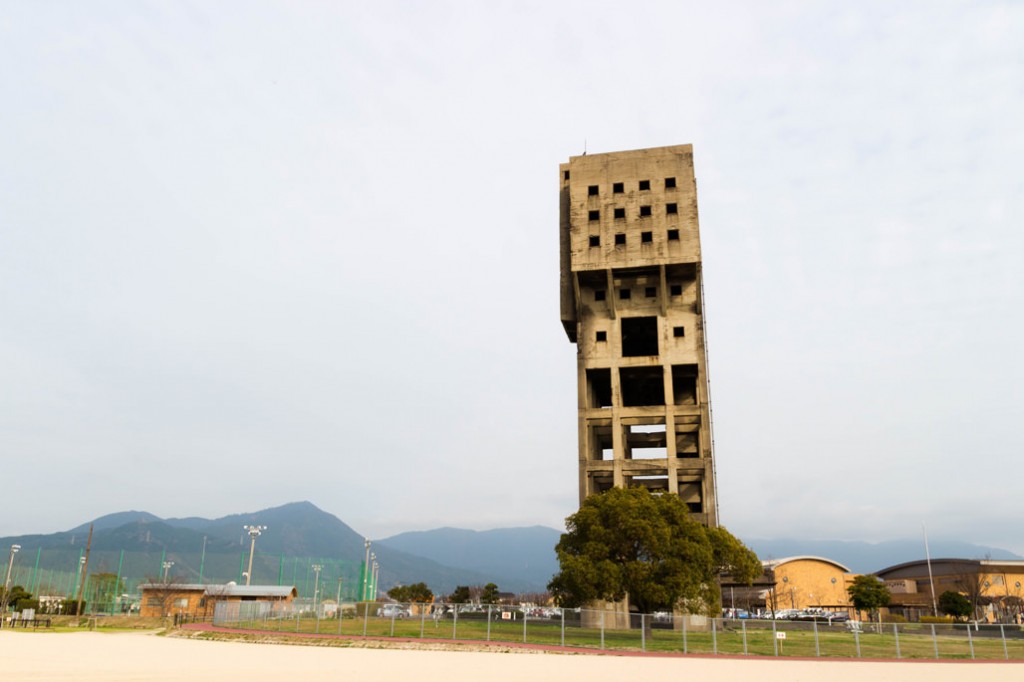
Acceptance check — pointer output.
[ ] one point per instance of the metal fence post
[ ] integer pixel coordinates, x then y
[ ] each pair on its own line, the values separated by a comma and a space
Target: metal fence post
392, 622
1002, 634
489, 622
524, 625
455, 620
643, 634
896, 634
935, 642
775, 637
714, 638
685, 647
856, 638
602, 630
423, 618
366, 615
339, 616
743, 625
817, 643
562, 609
970, 640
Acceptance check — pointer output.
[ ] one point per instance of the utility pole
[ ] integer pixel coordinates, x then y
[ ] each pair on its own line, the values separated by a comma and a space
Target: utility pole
85, 571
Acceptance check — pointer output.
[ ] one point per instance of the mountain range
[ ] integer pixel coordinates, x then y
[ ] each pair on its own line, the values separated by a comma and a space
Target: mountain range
517, 559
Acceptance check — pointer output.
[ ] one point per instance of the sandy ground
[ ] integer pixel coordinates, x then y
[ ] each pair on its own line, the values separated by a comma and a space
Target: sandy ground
95, 656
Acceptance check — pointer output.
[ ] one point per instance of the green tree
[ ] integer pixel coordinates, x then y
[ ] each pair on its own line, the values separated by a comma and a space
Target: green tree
10, 598
868, 593
627, 541
490, 594
954, 604
460, 595
417, 592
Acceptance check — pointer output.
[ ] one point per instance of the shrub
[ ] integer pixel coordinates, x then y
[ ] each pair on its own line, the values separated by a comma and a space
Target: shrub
894, 618
937, 619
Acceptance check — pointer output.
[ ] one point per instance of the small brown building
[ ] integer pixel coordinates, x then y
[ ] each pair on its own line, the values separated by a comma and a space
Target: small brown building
198, 601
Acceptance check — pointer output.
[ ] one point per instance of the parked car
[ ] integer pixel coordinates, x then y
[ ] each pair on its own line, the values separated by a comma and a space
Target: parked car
392, 611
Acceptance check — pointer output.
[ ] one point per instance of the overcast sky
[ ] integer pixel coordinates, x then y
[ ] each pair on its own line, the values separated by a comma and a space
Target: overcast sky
261, 252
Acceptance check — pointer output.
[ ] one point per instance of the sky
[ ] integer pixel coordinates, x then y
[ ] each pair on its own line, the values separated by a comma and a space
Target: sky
261, 252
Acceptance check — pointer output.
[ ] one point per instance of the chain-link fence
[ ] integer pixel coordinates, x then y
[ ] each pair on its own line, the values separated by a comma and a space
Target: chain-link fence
662, 632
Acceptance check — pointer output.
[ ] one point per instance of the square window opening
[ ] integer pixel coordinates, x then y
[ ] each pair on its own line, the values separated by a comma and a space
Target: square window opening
675, 289
642, 386
645, 211
599, 388
671, 208
620, 213
645, 185
595, 240
673, 235
646, 237
598, 294
651, 292
687, 442
625, 294
618, 187
639, 337
620, 239
601, 336
678, 332
684, 384
592, 190
594, 215
670, 183
646, 441
565, 175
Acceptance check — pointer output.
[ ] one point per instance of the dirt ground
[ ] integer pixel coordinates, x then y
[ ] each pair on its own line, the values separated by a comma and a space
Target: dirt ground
104, 656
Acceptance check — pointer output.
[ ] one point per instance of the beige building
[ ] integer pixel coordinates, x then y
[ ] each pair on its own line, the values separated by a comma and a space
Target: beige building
806, 582
994, 587
632, 302
194, 600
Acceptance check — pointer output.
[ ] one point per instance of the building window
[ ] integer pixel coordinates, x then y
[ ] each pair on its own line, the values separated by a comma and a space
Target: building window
645, 185
639, 336
598, 294
675, 289
566, 175
646, 237
594, 215
595, 240
181, 603
624, 294
678, 332
651, 292
618, 188
670, 183
601, 336
645, 211
671, 208
620, 239
592, 190
673, 235
620, 213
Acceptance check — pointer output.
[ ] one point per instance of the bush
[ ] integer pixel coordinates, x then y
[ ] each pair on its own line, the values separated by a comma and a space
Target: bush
937, 619
894, 618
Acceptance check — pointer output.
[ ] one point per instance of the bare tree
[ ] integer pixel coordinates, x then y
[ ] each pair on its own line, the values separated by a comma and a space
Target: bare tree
973, 585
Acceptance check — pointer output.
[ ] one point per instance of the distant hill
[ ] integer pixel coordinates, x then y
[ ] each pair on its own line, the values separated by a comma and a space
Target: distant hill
136, 543
517, 559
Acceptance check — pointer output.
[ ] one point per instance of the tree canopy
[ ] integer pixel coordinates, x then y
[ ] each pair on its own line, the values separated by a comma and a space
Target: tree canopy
417, 592
868, 593
489, 594
954, 604
461, 595
627, 541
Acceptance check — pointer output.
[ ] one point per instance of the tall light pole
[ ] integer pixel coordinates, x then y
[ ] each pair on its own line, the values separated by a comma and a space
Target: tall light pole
366, 568
371, 569
376, 572
316, 590
254, 532
167, 567
7, 583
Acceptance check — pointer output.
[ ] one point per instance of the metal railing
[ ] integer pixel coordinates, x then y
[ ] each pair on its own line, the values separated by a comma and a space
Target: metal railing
663, 632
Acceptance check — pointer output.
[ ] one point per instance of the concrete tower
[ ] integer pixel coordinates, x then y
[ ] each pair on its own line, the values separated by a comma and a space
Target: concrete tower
632, 302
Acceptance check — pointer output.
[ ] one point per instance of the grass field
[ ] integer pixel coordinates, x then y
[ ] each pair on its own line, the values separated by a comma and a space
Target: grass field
755, 638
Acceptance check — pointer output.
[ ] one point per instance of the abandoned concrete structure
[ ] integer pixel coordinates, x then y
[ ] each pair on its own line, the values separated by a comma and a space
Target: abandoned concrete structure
632, 302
